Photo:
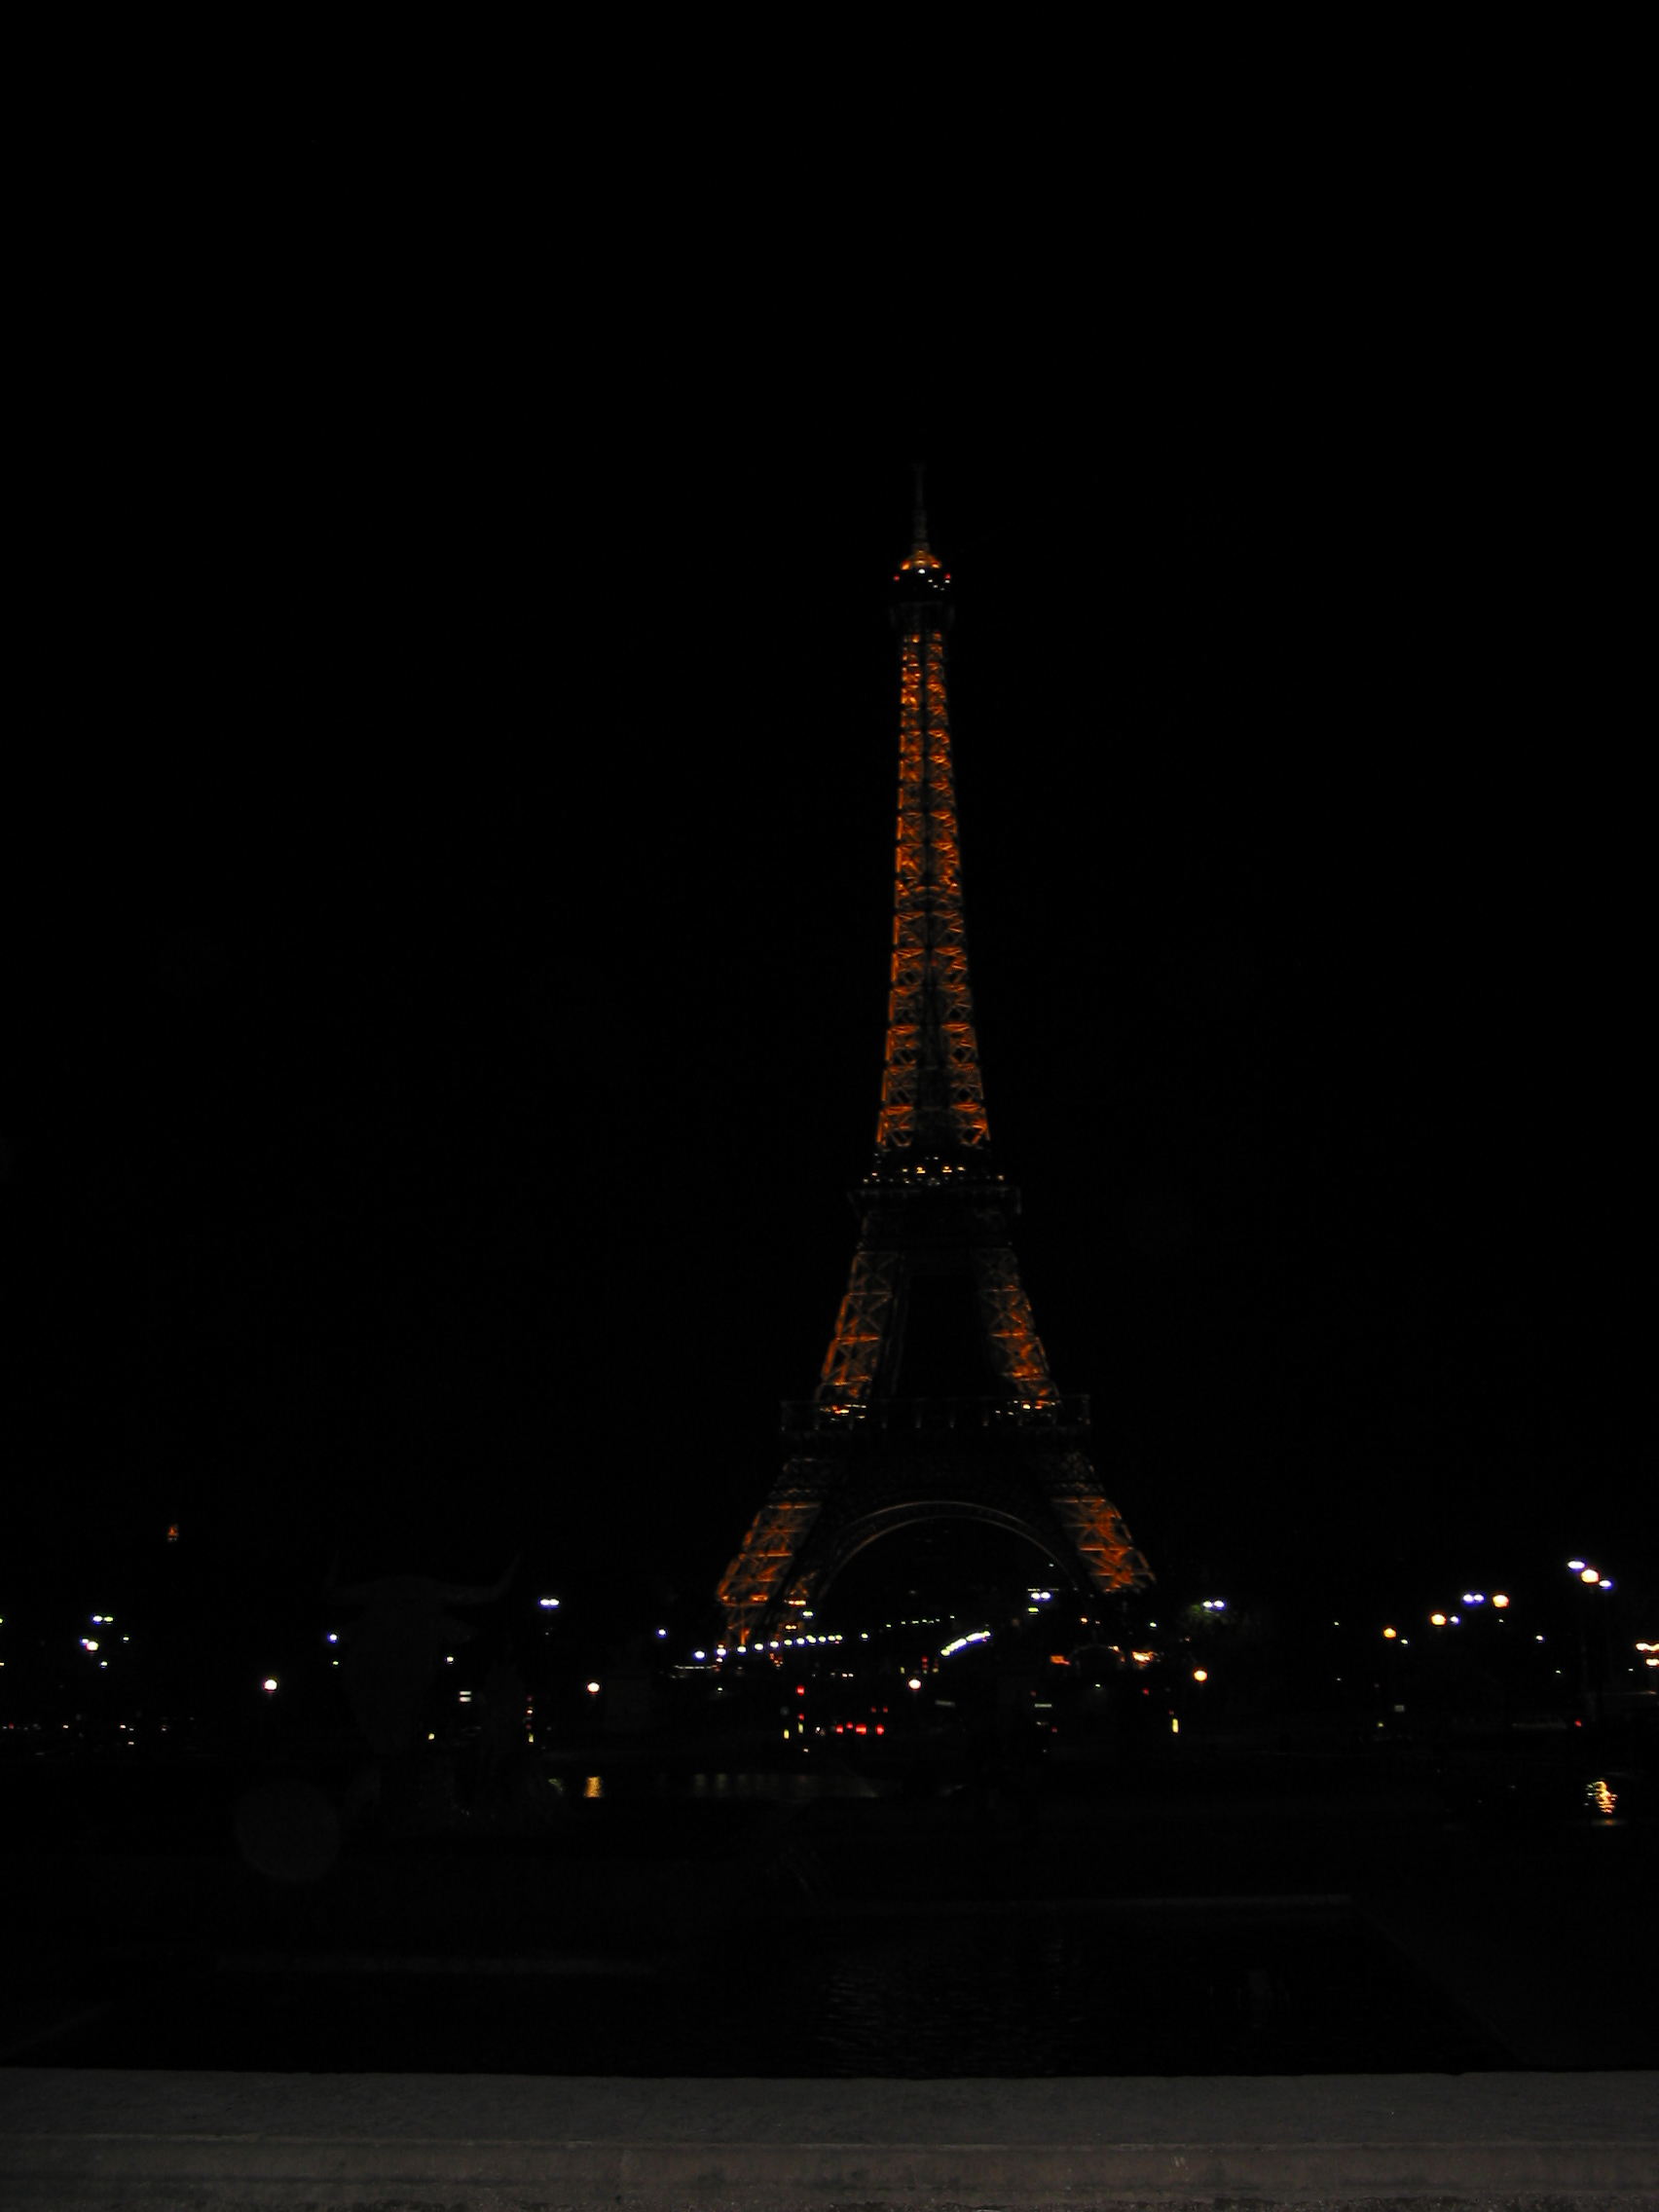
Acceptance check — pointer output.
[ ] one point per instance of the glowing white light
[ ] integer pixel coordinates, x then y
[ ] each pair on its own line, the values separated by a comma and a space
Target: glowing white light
699, 1654
548, 1604
1200, 1674
913, 1683
1589, 1576
1576, 1564
1606, 1583
89, 1643
1473, 1598
593, 1689
662, 1632
268, 1683
333, 1639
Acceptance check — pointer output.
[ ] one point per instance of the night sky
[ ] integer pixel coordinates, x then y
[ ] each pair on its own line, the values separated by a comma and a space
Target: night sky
448, 990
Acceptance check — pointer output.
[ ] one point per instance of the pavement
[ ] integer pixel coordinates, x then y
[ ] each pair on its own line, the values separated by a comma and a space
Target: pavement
84, 2138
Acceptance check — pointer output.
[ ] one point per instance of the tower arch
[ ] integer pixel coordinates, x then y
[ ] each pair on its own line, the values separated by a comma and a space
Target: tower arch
889, 1519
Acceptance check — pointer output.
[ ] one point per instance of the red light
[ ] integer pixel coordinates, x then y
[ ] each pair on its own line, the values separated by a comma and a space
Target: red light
879, 1729
861, 1730
800, 1689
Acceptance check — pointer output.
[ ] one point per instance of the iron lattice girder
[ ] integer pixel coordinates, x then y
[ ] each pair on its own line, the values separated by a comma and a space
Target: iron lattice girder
862, 1327
932, 1091
866, 1324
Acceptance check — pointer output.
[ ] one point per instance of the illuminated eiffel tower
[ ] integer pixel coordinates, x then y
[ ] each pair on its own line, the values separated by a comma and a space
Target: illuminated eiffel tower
936, 1400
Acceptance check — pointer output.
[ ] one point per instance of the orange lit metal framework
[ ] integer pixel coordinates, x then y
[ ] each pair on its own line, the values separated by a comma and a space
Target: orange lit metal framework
1003, 1445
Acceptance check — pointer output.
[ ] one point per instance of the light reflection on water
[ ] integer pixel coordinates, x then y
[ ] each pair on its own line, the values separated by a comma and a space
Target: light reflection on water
784, 1789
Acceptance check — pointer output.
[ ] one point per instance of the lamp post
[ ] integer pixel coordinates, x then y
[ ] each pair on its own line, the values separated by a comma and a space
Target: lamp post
1588, 1577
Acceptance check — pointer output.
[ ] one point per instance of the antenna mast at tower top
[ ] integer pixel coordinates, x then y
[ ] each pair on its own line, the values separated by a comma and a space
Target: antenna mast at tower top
919, 521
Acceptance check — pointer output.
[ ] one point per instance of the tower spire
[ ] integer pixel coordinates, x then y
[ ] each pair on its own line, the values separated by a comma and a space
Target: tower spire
933, 1101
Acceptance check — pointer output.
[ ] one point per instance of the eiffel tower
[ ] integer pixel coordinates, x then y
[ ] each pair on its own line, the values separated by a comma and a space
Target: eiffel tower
936, 1400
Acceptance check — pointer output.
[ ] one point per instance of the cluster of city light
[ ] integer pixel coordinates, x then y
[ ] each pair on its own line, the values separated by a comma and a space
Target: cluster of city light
1500, 1601
978, 1636
1652, 1653
1588, 1574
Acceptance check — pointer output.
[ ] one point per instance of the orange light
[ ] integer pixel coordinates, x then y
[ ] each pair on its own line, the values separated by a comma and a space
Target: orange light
1589, 1576
1054, 1660
1200, 1674
1498, 1599
1439, 1619
1391, 1634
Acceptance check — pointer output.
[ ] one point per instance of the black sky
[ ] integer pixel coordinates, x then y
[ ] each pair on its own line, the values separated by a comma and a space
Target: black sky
450, 990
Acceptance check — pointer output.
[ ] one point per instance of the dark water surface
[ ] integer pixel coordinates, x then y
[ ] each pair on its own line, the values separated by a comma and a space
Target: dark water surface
896, 1993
